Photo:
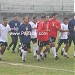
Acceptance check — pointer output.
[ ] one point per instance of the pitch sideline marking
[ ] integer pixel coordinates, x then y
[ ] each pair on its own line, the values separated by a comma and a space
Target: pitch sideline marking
32, 66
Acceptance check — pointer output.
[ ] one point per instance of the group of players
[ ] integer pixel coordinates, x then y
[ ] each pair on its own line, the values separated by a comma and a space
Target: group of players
44, 32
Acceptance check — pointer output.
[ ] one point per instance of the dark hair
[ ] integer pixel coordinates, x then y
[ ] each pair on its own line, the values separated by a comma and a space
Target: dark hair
34, 17
5, 18
23, 18
15, 15
26, 16
43, 16
54, 14
65, 18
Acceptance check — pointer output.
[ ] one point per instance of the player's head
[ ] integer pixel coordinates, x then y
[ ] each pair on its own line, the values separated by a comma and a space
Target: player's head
5, 21
35, 19
54, 16
43, 16
65, 20
26, 19
15, 17
47, 18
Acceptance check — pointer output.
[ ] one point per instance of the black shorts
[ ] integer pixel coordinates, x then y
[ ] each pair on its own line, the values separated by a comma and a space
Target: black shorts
34, 40
14, 38
65, 41
71, 38
52, 39
41, 44
3, 43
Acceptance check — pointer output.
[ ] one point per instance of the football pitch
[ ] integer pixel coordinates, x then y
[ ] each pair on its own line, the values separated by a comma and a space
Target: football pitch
13, 65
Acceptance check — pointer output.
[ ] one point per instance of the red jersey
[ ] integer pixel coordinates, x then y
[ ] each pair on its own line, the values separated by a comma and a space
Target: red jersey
42, 34
39, 21
54, 26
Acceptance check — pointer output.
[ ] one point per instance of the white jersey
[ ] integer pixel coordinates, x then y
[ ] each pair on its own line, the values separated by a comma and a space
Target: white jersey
63, 35
33, 32
4, 33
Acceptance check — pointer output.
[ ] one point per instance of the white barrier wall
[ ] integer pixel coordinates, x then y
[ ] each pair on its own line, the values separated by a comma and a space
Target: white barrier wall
36, 6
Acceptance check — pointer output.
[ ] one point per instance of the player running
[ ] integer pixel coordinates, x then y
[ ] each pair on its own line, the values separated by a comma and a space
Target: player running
71, 27
43, 39
34, 34
63, 38
14, 25
54, 26
25, 31
4, 29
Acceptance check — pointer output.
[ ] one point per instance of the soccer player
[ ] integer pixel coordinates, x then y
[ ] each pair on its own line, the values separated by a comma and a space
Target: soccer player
63, 38
71, 27
34, 34
25, 31
4, 29
54, 26
43, 39
14, 25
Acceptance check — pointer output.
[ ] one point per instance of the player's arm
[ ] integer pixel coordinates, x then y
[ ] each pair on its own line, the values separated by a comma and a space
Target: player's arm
19, 30
0, 32
66, 30
74, 28
70, 26
9, 29
33, 28
11, 26
30, 28
60, 28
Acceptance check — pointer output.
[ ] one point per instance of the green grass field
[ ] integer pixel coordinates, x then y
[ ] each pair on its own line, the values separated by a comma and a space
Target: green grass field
13, 65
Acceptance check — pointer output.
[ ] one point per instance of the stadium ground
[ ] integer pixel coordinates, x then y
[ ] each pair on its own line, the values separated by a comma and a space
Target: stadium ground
12, 64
